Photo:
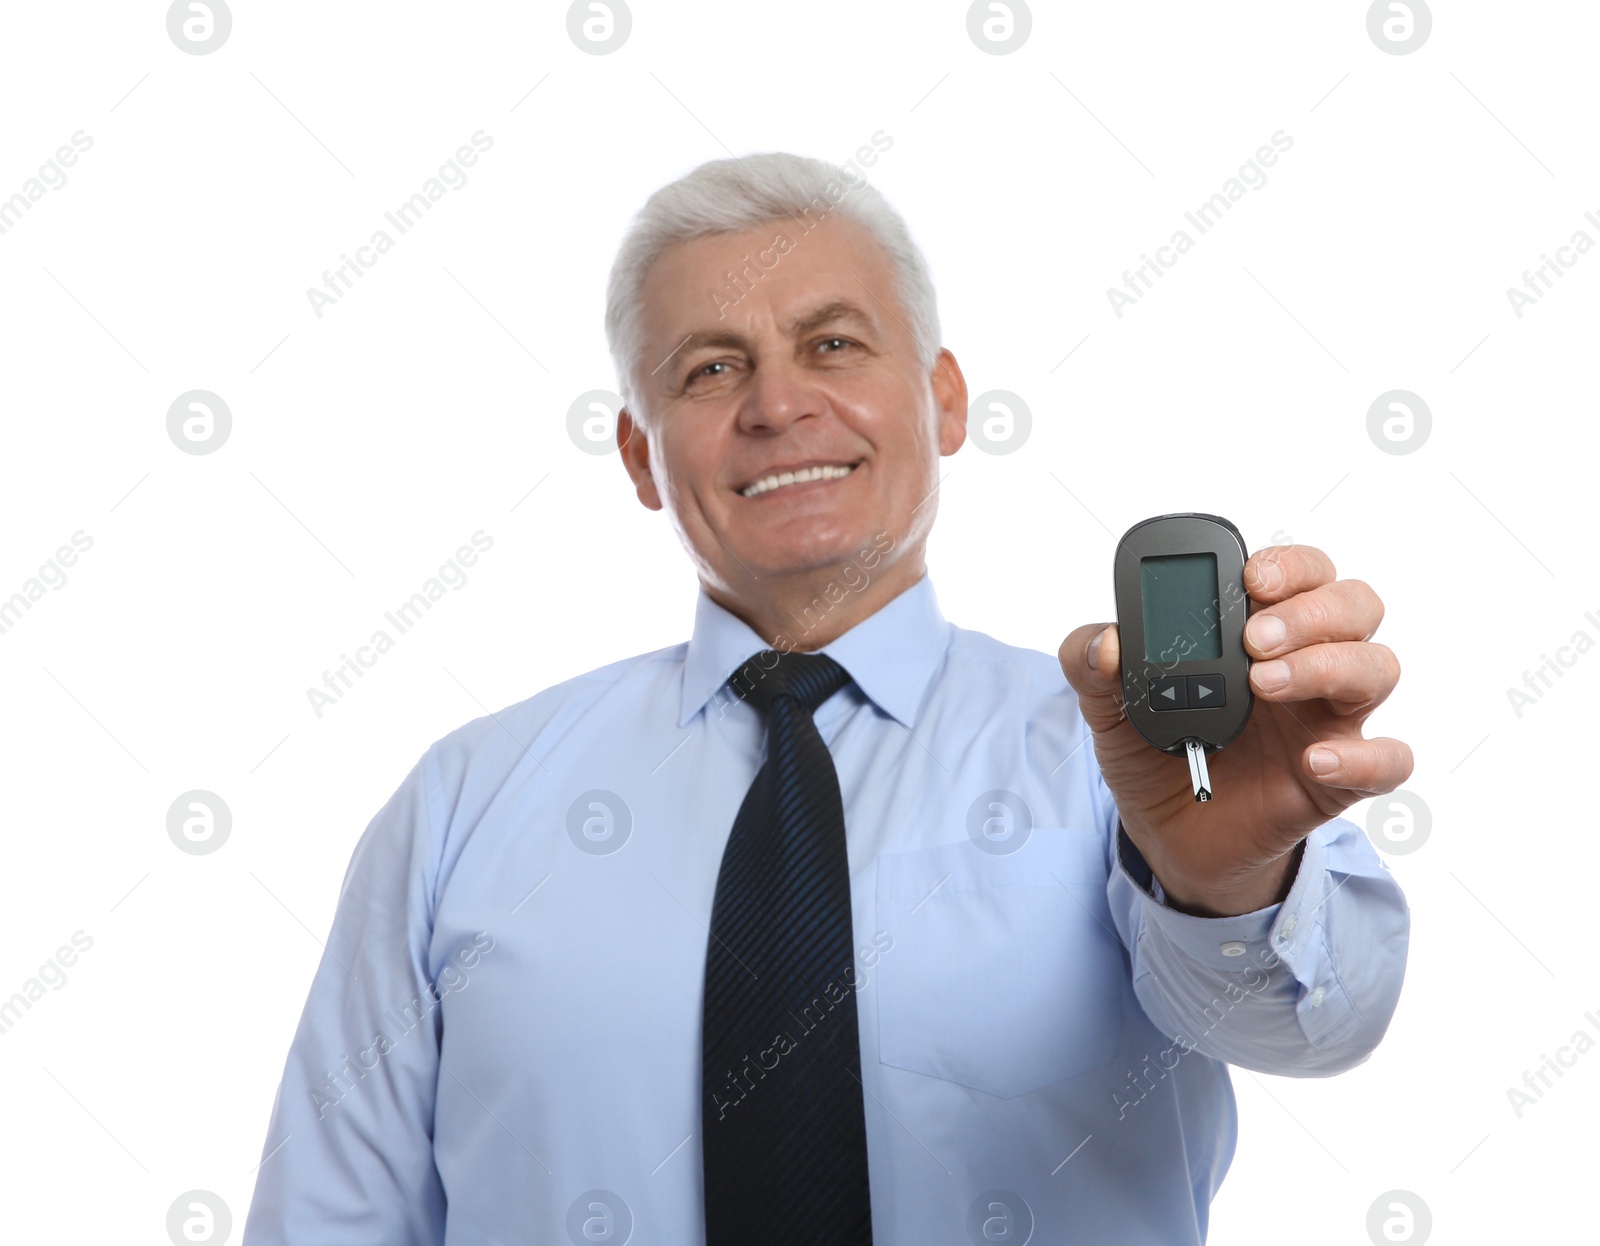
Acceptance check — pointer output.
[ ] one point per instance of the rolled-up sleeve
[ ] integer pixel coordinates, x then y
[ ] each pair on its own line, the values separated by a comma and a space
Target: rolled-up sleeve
348, 1157
1302, 988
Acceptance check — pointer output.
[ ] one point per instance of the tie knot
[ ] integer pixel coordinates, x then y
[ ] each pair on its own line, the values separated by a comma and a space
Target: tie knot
810, 678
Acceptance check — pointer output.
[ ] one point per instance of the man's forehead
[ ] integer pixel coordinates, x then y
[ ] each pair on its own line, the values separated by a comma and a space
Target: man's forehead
703, 285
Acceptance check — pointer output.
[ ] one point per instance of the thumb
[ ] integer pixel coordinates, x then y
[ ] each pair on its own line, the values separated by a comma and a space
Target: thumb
1091, 659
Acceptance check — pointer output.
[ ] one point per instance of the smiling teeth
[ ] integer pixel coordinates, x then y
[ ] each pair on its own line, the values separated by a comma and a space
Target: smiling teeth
769, 483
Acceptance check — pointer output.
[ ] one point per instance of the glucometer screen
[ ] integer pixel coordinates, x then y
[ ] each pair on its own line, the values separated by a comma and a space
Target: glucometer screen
1180, 608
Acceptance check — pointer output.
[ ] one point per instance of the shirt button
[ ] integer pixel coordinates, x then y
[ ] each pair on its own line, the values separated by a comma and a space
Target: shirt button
1233, 948
1317, 997
1288, 928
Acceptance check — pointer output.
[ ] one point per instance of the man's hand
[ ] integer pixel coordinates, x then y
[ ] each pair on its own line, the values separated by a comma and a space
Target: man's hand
1300, 761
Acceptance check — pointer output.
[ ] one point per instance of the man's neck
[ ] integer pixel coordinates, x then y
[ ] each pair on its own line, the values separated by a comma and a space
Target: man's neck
803, 614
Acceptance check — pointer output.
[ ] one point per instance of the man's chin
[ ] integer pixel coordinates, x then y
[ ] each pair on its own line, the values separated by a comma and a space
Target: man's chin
814, 558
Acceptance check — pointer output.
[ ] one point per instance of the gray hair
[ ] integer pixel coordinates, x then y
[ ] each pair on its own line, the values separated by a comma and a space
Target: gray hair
727, 196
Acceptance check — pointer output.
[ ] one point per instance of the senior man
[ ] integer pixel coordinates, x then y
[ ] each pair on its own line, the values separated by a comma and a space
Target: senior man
836, 923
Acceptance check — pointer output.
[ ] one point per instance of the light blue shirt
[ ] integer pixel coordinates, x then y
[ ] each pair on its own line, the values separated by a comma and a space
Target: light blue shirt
502, 1042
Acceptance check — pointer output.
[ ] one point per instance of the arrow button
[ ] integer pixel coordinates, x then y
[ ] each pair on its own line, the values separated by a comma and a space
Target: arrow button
1169, 693
1206, 692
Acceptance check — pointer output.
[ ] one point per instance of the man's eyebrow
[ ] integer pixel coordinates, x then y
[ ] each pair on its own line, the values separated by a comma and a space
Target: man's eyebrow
711, 337
699, 341
839, 309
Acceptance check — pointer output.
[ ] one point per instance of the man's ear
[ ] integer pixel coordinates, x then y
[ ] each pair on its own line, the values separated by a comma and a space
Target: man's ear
950, 393
633, 447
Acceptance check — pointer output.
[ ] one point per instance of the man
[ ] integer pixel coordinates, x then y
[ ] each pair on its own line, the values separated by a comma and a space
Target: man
567, 993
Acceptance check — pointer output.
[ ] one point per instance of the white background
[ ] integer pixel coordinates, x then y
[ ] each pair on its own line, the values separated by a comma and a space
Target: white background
431, 401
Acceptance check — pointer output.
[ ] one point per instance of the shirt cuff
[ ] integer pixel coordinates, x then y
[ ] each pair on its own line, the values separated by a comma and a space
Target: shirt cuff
1292, 934
1223, 942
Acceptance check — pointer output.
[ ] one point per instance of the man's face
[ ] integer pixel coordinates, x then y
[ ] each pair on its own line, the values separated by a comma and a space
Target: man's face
815, 364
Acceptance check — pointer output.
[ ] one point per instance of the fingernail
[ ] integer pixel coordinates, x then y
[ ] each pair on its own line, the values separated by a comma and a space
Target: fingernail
1323, 761
1267, 631
1269, 576
1093, 656
1270, 676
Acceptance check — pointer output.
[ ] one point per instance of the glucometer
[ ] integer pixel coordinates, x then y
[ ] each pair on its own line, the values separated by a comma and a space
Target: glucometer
1181, 607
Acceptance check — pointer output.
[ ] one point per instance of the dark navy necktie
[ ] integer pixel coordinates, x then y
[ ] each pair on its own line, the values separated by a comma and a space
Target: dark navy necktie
782, 1116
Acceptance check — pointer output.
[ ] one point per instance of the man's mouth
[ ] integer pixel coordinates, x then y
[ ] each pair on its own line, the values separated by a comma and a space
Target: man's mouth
778, 480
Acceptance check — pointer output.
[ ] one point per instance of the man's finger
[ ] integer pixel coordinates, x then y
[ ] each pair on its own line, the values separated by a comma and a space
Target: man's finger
1342, 610
1280, 571
1091, 659
1367, 766
1352, 674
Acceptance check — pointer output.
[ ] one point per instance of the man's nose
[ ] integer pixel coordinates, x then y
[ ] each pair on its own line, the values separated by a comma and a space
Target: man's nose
782, 391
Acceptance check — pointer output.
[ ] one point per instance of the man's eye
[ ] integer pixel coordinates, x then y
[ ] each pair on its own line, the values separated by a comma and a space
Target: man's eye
706, 370
830, 341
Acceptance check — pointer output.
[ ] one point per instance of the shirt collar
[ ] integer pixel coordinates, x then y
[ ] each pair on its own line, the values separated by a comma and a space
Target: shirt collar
891, 654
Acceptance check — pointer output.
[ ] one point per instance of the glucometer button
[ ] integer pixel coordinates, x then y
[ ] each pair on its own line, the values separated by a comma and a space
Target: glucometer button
1206, 692
1168, 693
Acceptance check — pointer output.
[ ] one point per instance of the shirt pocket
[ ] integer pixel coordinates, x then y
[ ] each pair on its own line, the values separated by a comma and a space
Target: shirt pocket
1006, 974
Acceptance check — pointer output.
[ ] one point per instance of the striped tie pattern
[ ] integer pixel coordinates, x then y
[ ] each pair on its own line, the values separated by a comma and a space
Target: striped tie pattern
782, 1115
